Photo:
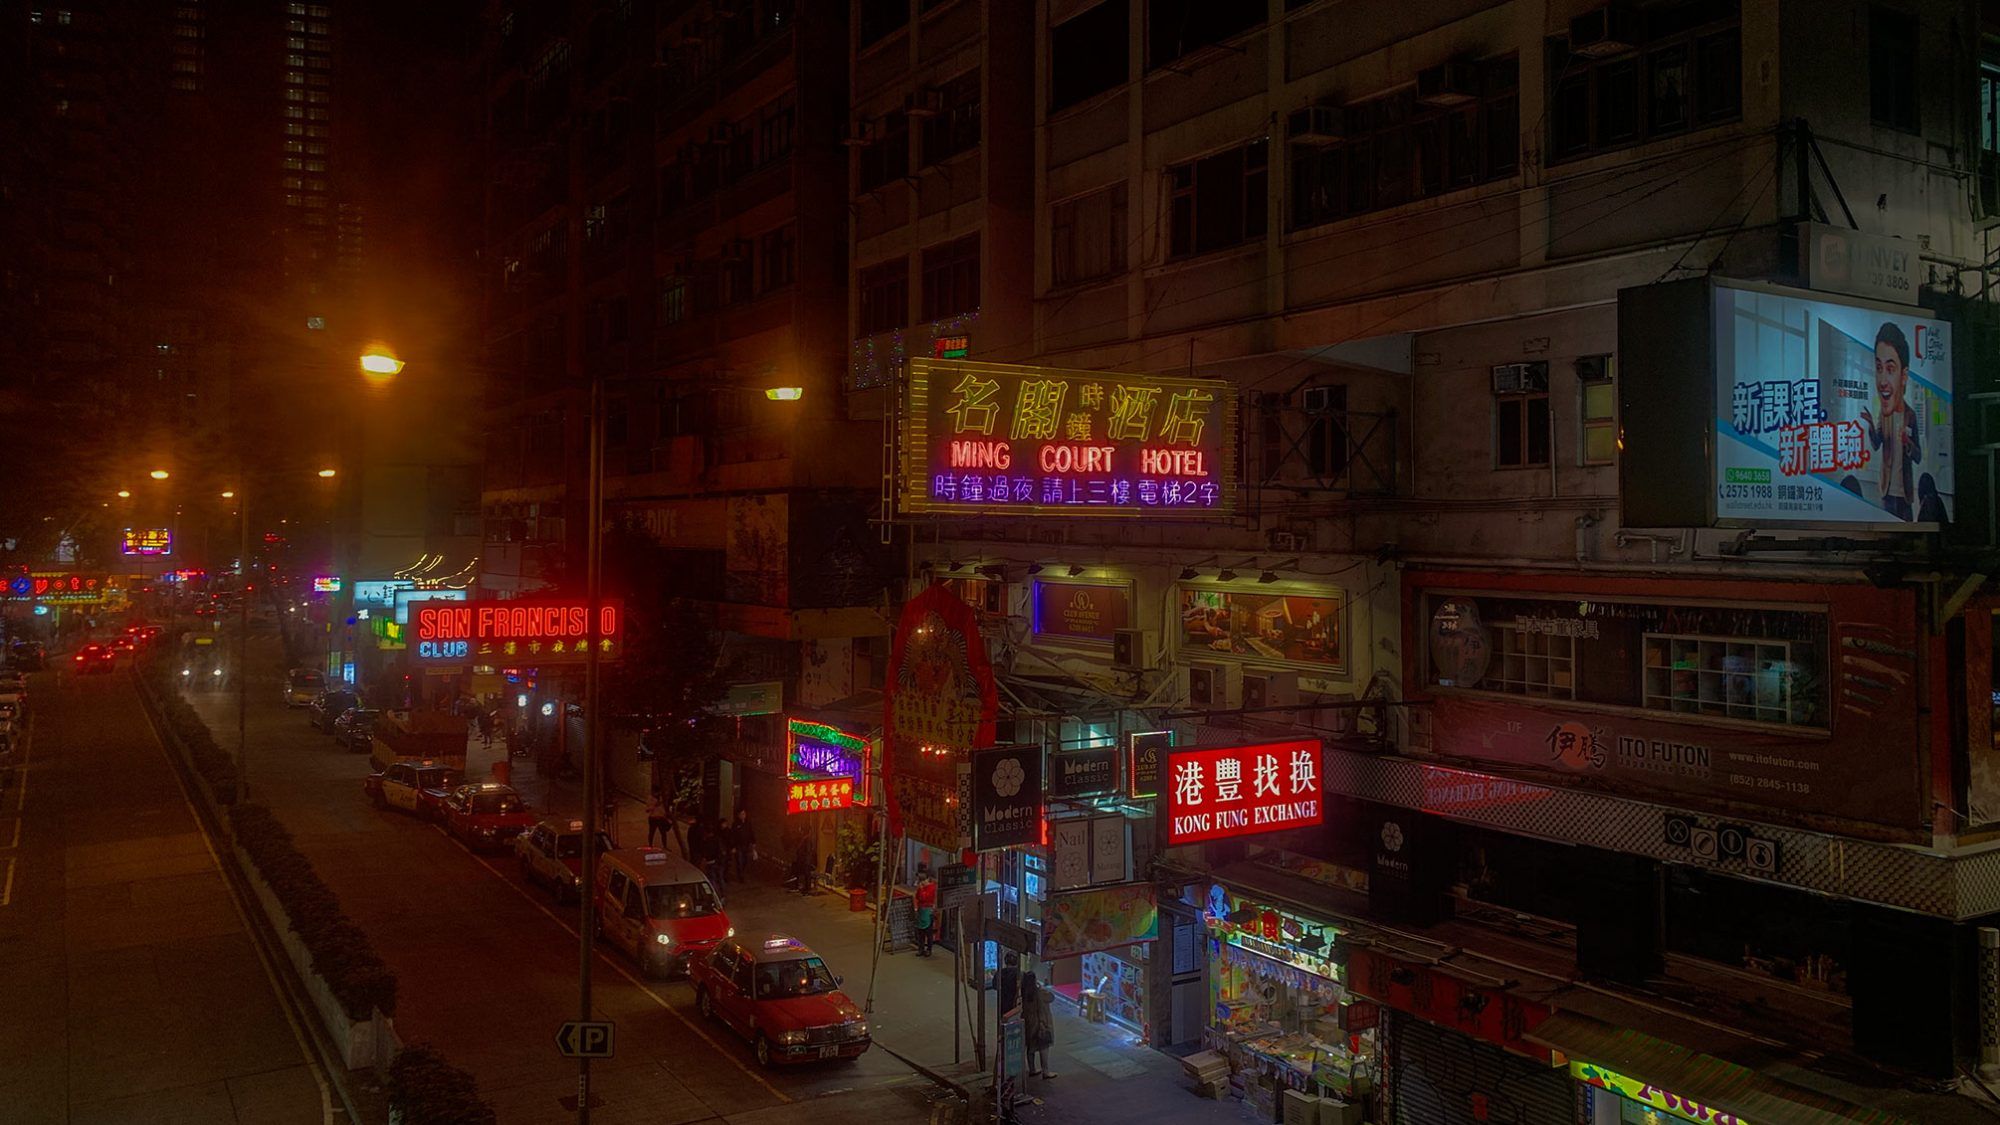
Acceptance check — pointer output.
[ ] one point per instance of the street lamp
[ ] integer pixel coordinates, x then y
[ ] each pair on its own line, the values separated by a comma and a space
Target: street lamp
328, 474
124, 494
380, 361
159, 474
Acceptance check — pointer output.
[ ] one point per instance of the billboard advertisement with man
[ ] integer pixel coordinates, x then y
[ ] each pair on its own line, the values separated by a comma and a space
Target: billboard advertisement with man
1830, 411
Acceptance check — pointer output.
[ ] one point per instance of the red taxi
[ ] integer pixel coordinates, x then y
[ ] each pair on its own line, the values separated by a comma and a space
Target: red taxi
414, 787
486, 815
658, 908
95, 658
779, 995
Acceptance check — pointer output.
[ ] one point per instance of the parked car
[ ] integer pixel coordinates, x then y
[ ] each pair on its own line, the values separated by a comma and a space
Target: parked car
355, 729
551, 853
302, 686
781, 996
28, 656
658, 908
414, 787
327, 707
486, 815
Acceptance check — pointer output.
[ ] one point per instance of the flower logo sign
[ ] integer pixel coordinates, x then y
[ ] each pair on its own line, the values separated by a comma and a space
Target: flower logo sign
1008, 776
1007, 797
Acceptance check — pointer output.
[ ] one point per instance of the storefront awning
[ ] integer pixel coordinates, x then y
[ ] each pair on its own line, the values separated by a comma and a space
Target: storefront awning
1675, 1073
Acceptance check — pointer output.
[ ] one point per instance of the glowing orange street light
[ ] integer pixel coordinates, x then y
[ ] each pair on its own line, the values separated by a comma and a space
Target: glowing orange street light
380, 361
784, 394
124, 494
228, 494
329, 473
158, 474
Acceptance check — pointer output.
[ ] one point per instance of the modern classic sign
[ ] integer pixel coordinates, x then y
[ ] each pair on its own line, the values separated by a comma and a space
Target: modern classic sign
1006, 797
1212, 794
534, 631
1083, 773
997, 438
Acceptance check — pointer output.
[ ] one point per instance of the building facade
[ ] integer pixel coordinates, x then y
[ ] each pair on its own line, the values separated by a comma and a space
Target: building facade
1606, 788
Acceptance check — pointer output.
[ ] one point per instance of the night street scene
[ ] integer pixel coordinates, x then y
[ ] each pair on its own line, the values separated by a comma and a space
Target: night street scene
944, 562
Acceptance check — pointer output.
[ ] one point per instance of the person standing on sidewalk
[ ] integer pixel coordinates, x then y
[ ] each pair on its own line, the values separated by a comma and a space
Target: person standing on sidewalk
656, 819
697, 842
743, 845
712, 861
1037, 1024
926, 901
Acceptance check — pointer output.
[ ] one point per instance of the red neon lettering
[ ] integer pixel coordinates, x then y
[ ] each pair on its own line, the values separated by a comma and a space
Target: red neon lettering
1076, 458
981, 455
1173, 462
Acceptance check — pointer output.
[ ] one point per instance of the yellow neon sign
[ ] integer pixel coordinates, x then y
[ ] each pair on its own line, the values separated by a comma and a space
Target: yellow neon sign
1645, 1093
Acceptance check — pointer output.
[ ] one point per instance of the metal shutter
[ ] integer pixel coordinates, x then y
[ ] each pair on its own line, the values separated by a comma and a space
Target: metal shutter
1433, 1072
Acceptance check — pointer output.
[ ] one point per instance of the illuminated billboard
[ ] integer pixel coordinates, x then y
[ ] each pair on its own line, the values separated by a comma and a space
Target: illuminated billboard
535, 632
1213, 794
827, 768
1748, 405
326, 584
146, 541
990, 439
401, 599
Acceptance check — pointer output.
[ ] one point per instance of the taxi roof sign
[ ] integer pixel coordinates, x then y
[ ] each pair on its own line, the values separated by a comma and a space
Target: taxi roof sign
576, 826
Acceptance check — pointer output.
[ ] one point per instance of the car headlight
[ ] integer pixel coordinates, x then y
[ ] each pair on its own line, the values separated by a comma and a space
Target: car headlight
664, 939
216, 672
731, 933
187, 671
793, 1037
575, 880
486, 831
857, 1028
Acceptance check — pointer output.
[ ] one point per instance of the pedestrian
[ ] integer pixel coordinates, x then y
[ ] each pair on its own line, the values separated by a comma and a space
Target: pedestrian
486, 728
718, 847
1008, 983
743, 844
802, 863
697, 842
1037, 1024
656, 819
926, 900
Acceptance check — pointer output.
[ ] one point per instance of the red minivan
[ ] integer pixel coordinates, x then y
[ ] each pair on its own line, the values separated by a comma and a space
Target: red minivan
658, 908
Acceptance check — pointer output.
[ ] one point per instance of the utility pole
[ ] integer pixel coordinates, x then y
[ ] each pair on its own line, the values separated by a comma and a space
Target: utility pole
593, 812
243, 643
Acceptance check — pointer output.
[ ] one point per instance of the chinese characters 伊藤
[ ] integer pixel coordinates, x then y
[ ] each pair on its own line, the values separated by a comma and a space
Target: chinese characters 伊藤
1808, 442
1193, 786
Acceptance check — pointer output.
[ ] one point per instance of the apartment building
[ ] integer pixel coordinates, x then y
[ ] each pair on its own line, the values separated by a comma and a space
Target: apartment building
1627, 806
661, 222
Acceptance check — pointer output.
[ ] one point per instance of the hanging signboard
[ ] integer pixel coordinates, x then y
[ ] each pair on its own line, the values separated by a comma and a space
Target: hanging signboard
1103, 918
1006, 797
1081, 611
939, 703
1143, 751
827, 767
1217, 793
1069, 853
1084, 773
996, 439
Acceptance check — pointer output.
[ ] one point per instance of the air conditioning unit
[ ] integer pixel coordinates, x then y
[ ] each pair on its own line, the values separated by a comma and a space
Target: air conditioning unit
1521, 378
1596, 368
1610, 30
1208, 685
1267, 688
924, 103
863, 133
1134, 650
1321, 400
1317, 125
1452, 83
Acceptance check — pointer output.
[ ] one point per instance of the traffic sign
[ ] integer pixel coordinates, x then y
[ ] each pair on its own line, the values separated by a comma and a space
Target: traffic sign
585, 1039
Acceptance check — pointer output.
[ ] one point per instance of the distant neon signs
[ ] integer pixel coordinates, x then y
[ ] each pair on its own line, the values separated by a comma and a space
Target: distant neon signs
537, 631
326, 584
1213, 794
147, 541
59, 587
827, 767
997, 438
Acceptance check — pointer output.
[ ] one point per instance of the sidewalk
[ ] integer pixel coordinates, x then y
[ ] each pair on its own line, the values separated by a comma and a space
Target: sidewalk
1105, 1075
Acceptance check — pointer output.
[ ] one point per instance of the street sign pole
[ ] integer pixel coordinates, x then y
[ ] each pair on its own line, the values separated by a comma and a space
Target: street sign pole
593, 813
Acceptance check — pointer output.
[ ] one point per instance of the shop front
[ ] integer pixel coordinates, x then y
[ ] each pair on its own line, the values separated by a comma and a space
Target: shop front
1279, 1010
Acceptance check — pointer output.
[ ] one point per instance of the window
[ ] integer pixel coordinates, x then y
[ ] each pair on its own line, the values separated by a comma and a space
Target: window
1178, 28
1087, 237
1217, 201
775, 258
1892, 69
1349, 160
775, 134
1597, 391
1989, 137
888, 156
951, 278
1730, 677
881, 18
1088, 54
1684, 71
1521, 417
738, 278
885, 297
956, 127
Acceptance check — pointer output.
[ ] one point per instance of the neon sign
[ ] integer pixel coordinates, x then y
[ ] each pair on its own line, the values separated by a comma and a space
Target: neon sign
326, 584
997, 438
54, 586
542, 632
1242, 790
825, 764
147, 541
1681, 1106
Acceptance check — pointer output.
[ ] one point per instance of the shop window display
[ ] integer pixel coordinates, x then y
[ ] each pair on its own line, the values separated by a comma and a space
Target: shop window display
1278, 1008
